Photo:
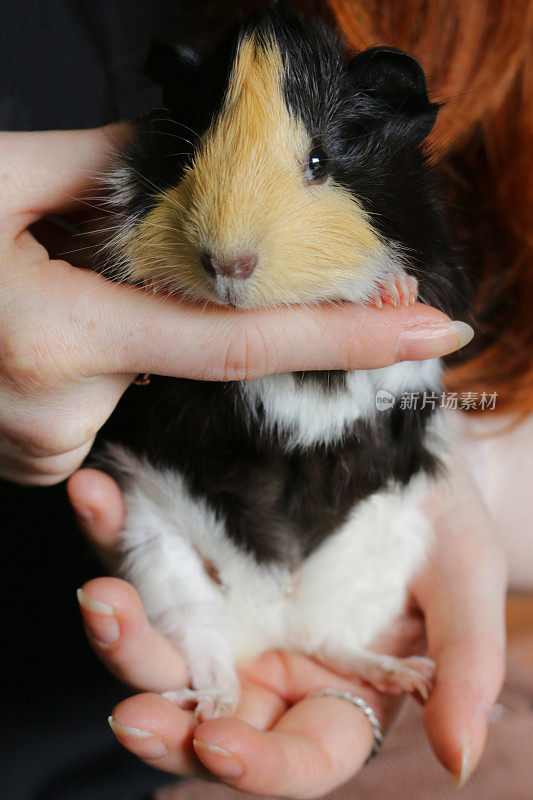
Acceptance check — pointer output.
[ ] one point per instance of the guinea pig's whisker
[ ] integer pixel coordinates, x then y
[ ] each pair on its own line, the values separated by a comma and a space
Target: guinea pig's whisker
175, 136
92, 205
181, 125
146, 181
79, 250
98, 231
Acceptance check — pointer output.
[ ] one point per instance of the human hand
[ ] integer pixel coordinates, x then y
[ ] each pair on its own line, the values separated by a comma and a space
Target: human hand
71, 341
281, 742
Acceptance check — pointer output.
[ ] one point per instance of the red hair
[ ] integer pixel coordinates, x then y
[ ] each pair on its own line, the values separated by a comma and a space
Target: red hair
478, 59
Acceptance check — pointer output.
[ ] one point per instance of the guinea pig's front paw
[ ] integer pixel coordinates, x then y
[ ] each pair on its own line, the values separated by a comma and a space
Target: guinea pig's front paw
385, 673
394, 675
208, 703
397, 288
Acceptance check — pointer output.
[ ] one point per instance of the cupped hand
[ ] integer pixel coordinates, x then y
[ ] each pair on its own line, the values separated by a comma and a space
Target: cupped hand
282, 742
71, 341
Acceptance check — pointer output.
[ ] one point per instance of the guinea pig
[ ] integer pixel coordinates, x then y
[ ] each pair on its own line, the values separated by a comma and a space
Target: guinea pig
282, 512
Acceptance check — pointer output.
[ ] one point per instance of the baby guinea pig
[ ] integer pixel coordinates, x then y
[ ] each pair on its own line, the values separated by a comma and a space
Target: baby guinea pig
281, 512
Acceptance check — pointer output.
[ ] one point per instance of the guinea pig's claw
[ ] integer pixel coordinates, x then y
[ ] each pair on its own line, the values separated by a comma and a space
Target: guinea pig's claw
396, 289
207, 703
393, 675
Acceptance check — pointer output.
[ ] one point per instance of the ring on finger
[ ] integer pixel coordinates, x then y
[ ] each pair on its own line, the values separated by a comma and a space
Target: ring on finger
363, 706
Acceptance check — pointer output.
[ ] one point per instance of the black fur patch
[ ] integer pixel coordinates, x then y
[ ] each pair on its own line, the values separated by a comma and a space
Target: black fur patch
371, 115
278, 505
193, 88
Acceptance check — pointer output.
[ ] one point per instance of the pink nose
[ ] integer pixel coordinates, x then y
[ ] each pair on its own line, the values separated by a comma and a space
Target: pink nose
240, 267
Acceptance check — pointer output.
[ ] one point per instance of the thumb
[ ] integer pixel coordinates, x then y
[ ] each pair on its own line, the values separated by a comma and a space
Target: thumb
45, 171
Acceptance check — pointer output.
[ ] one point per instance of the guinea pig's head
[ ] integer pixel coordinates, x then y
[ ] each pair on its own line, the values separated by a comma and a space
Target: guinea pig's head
279, 171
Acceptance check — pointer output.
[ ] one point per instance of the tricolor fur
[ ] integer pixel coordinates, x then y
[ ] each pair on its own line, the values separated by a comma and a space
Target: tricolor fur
229, 179
282, 512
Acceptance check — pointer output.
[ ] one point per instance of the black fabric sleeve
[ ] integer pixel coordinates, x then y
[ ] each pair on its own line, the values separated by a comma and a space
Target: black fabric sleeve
78, 63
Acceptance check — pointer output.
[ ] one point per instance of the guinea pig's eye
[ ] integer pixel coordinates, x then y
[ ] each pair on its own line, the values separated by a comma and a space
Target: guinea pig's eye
317, 165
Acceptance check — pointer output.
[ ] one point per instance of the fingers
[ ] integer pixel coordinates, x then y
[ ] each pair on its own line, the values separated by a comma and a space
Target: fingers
303, 752
320, 744
139, 655
114, 618
124, 640
317, 745
44, 171
463, 597
137, 333
157, 732
161, 733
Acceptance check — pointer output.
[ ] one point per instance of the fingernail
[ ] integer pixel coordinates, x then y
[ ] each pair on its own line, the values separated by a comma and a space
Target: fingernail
103, 627
144, 744
433, 341
466, 768
474, 742
221, 762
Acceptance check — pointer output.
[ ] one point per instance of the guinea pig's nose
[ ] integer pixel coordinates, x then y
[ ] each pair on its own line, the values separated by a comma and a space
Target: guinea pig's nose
239, 267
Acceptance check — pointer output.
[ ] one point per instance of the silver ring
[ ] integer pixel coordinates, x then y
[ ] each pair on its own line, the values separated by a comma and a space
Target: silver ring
364, 707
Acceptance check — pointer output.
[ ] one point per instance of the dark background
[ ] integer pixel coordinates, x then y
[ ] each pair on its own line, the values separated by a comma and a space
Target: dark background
56, 697
78, 63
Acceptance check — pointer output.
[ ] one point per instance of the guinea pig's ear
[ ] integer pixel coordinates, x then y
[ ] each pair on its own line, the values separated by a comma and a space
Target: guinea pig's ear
397, 82
176, 68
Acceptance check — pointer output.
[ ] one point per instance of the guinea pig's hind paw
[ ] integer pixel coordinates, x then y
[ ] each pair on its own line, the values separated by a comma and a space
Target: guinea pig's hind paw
394, 675
207, 703
397, 289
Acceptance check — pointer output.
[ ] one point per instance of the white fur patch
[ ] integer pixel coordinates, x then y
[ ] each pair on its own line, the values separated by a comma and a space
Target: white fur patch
120, 182
343, 594
309, 416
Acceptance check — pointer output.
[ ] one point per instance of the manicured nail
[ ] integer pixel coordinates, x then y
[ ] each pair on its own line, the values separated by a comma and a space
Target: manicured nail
433, 341
474, 741
96, 606
466, 768
104, 627
221, 762
143, 743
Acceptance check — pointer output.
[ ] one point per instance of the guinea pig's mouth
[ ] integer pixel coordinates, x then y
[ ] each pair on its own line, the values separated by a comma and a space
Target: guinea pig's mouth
231, 291
223, 291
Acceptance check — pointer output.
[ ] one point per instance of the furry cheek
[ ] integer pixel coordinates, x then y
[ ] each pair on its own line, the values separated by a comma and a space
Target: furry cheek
312, 243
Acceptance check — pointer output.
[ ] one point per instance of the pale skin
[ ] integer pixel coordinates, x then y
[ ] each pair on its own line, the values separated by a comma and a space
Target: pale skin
71, 343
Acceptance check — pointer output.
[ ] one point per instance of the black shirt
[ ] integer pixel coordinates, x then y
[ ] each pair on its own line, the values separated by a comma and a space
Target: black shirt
78, 63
